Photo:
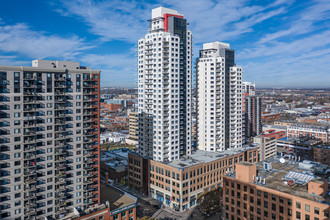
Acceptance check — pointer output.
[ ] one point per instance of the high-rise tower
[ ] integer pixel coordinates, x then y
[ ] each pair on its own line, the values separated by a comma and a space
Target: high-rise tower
49, 134
164, 81
219, 98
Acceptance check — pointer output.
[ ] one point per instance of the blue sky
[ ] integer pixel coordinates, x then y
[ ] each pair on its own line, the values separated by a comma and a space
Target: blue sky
279, 43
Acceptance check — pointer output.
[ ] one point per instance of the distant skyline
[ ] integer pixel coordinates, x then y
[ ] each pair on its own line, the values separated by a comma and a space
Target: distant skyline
279, 43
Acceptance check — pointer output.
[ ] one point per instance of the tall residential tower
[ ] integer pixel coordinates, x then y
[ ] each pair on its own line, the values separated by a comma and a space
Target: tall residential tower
164, 81
219, 98
49, 134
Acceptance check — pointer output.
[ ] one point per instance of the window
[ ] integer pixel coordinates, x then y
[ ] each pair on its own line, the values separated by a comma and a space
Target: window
281, 199
17, 115
289, 202
265, 195
298, 216
316, 211
123, 214
298, 205
266, 204
258, 192
307, 217
273, 207
273, 197
307, 208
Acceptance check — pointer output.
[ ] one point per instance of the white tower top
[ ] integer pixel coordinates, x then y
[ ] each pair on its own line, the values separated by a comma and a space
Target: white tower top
160, 11
215, 45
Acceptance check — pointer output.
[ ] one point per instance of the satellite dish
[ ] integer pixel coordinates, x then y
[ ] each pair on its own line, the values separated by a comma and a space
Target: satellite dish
282, 160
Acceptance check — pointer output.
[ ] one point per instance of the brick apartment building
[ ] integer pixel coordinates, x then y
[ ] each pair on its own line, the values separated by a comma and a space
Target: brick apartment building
111, 107
179, 183
319, 132
274, 191
268, 116
274, 134
116, 205
321, 154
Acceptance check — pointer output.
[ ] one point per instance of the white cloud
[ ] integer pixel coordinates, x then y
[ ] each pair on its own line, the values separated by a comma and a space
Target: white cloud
112, 20
209, 20
13, 61
20, 39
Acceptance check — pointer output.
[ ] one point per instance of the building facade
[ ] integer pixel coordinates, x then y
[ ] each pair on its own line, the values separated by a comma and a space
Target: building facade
267, 146
177, 184
249, 88
219, 98
164, 87
138, 173
321, 154
252, 116
133, 126
318, 132
284, 193
50, 134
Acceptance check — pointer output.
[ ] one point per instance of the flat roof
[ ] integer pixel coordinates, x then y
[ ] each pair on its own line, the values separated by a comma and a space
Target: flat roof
201, 156
299, 141
47, 70
117, 198
274, 179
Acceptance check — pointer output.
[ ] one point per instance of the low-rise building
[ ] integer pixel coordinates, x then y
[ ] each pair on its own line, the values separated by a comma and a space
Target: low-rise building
111, 107
297, 147
274, 134
266, 145
115, 164
268, 116
113, 137
283, 123
321, 154
320, 132
274, 190
115, 205
178, 183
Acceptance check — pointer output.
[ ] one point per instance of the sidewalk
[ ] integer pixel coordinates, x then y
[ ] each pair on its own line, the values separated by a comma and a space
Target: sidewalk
168, 213
134, 192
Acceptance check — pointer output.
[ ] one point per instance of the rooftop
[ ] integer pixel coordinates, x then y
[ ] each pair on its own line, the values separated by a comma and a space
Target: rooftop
117, 198
200, 156
299, 141
279, 175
